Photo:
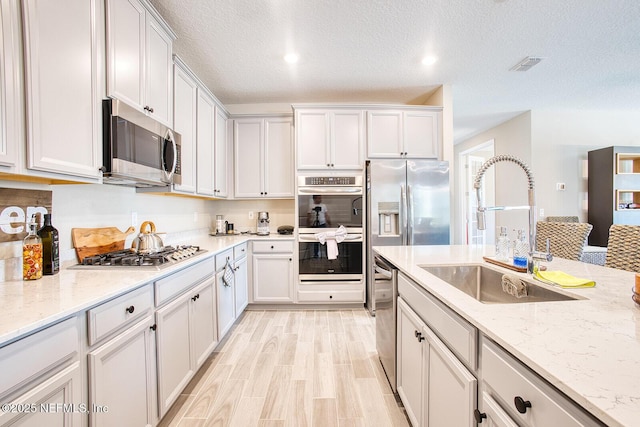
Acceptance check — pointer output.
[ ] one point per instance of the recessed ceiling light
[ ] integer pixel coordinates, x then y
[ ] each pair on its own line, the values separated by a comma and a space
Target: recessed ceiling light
429, 60
291, 58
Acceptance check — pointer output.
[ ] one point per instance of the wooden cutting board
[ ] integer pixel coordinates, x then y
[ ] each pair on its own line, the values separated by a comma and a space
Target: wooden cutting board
94, 241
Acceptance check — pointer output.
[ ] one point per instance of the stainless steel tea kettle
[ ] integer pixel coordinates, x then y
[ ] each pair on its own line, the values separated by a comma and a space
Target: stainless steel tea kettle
147, 242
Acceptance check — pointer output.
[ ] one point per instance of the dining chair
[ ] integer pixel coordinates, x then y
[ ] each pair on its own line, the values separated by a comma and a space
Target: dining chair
563, 219
567, 239
623, 248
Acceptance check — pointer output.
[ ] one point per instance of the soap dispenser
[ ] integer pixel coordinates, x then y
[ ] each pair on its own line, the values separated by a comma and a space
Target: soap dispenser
502, 245
520, 250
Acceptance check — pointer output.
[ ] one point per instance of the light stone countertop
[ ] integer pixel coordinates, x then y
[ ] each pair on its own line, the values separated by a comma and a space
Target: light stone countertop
589, 349
28, 306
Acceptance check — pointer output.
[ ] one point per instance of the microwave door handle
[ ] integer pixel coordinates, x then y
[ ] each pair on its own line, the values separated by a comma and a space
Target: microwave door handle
175, 151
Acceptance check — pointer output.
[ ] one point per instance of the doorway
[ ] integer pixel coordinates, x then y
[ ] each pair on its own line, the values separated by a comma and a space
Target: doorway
470, 161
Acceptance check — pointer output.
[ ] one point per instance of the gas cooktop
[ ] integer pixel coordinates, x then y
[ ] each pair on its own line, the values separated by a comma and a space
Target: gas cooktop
166, 257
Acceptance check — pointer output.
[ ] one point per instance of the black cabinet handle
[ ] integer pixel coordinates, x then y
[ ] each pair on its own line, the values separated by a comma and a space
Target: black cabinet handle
153, 327
330, 296
328, 165
521, 404
130, 309
479, 416
419, 336
271, 246
195, 297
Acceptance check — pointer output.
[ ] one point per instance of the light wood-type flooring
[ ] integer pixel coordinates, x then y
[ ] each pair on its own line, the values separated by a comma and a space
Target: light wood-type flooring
292, 368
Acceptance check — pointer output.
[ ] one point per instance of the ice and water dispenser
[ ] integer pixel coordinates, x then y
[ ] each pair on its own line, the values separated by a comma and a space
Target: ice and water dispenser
388, 218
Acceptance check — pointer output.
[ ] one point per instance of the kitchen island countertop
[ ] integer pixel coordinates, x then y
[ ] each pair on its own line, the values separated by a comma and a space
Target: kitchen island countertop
28, 306
588, 348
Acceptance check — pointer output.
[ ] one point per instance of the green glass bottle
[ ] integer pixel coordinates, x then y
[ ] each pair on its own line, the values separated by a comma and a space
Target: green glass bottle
50, 247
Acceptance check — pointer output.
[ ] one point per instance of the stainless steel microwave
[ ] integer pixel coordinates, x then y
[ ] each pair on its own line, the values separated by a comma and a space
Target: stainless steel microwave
137, 150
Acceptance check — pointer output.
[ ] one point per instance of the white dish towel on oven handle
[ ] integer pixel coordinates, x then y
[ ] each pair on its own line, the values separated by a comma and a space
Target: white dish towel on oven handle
332, 238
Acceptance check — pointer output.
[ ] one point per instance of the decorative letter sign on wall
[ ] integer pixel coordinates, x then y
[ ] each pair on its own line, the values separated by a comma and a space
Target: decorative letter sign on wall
16, 207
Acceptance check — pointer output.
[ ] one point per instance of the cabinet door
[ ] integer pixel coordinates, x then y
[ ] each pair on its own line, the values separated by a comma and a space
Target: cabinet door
221, 189
312, 139
64, 388
248, 137
205, 140
272, 277
63, 105
450, 388
421, 134
226, 305
174, 356
278, 154
11, 109
126, 27
410, 367
122, 379
347, 140
203, 301
384, 134
185, 100
242, 292
159, 72
492, 415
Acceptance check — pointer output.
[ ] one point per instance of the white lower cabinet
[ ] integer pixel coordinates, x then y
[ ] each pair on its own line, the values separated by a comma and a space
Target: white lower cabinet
122, 378
185, 337
241, 284
272, 271
517, 393
39, 374
435, 387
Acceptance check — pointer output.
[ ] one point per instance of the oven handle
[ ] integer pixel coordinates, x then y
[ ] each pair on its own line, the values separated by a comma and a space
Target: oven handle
334, 190
348, 237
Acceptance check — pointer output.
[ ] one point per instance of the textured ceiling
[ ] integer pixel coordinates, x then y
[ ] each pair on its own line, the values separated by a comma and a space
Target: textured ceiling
371, 51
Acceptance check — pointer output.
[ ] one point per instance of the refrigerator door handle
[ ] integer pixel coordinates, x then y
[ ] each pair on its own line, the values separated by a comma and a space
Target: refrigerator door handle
409, 215
403, 214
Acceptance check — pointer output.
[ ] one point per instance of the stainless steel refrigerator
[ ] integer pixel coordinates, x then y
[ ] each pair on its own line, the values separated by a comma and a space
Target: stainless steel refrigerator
407, 204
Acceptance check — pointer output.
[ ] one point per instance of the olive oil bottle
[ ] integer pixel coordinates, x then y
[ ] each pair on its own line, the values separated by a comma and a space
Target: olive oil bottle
50, 247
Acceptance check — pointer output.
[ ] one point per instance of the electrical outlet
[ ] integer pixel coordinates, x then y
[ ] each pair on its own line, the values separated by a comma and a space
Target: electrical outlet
134, 219
560, 186
541, 213
250, 214
195, 217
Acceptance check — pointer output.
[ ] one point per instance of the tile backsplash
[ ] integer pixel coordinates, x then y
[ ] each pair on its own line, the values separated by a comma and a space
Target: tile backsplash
94, 205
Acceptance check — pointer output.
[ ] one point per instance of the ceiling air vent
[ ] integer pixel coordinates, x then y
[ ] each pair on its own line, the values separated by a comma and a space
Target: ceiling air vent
526, 63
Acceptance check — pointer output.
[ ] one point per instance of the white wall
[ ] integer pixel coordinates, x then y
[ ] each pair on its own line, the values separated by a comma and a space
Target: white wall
560, 141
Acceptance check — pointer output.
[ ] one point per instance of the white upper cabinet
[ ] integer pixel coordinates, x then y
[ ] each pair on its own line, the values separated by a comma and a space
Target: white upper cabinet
139, 63
329, 138
263, 153
62, 79
185, 97
11, 101
404, 133
205, 143
220, 153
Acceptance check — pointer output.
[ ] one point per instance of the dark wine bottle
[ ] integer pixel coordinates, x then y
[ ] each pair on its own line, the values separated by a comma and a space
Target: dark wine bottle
50, 247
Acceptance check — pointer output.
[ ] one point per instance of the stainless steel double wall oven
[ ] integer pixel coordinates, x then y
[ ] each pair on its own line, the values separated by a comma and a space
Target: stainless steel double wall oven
324, 204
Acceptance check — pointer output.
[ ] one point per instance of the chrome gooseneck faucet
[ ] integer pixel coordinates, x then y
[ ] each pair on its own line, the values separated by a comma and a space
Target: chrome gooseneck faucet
477, 184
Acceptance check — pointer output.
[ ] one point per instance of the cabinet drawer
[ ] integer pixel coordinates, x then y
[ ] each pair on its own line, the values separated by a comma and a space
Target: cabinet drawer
171, 286
113, 315
272, 246
457, 333
30, 357
222, 257
240, 251
505, 378
331, 296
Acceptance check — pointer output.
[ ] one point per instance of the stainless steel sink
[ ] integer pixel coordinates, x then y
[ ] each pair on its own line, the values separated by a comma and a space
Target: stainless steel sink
485, 284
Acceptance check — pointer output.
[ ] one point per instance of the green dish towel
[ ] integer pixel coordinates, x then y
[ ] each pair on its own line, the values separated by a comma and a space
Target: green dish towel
565, 280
